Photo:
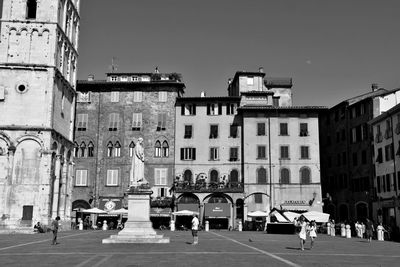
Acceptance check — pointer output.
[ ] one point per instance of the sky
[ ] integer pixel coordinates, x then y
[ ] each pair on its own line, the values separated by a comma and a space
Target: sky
333, 50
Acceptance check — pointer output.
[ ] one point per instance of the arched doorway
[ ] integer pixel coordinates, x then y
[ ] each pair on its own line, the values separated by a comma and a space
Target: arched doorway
77, 207
218, 211
190, 202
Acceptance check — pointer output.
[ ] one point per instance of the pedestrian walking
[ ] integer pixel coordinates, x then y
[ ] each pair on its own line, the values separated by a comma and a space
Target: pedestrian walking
312, 230
369, 229
54, 228
195, 229
303, 231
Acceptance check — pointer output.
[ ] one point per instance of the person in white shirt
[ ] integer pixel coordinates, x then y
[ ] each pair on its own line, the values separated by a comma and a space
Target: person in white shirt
195, 229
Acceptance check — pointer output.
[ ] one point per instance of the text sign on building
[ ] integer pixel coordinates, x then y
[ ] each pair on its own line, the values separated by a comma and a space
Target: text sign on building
217, 210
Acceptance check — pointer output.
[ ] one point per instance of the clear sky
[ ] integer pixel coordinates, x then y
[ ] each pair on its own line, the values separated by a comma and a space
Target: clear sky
333, 49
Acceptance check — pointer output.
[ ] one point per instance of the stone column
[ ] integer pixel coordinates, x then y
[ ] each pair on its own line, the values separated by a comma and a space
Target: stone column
69, 186
63, 187
56, 186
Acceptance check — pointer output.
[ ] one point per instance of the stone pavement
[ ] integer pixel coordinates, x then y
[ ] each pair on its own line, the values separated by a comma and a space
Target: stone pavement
216, 248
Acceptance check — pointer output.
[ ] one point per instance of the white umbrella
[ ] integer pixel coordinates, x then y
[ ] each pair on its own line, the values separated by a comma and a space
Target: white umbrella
291, 215
278, 216
316, 216
119, 211
257, 213
94, 211
185, 213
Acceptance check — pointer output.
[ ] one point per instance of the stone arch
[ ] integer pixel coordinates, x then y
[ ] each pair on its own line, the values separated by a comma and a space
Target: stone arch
215, 196
188, 198
27, 162
80, 204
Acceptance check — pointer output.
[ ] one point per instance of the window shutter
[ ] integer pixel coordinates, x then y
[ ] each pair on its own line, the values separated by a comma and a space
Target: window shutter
219, 108
182, 153
194, 153
194, 109
183, 109
208, 109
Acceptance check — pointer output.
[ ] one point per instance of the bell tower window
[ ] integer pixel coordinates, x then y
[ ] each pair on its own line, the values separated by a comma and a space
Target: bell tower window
31, 8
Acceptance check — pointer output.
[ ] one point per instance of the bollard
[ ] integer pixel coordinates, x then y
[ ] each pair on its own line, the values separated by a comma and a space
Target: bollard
104, 225
207, 228
342, 230
328, 228
81, 225
240, 226
172, 225
379, 232
348, 231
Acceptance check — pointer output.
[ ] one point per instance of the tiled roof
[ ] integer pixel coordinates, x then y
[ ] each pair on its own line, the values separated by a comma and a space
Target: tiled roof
253, 107
385, 114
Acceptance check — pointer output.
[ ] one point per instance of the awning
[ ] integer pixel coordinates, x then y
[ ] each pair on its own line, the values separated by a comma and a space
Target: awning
160, 212
295, 207
217, 210
188, 206
108, 215
278, 216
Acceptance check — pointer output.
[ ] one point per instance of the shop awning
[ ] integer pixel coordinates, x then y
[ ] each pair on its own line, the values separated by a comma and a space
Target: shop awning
217, 210
160, 212
295, 207
108, 215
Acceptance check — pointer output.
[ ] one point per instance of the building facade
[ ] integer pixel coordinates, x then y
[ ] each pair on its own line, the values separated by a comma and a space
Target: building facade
38, 57
347, 154
111, 115
386, 181
249, 151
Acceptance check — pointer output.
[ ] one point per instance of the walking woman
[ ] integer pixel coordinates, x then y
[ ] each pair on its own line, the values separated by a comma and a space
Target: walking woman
312, 229
303, 231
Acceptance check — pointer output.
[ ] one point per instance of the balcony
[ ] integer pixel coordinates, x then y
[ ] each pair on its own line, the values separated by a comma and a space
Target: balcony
213, 187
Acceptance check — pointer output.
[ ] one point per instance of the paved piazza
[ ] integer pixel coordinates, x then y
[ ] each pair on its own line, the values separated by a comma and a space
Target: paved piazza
216, 248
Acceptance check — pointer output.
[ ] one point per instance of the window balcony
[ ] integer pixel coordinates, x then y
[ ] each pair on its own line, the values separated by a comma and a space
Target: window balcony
203, 187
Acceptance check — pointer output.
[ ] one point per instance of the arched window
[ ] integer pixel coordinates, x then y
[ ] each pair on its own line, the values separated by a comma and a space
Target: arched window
157, 149
109, 149
117, 149
131, 149
261, 176
214, 176
187, 176
165, 149
76, 150
82, 150
31, 7
90, 149
305, 175
285, 176
234, 177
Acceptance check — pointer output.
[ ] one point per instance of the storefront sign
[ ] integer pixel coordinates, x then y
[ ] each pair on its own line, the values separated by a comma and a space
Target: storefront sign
217, 210
295, 202
109, 204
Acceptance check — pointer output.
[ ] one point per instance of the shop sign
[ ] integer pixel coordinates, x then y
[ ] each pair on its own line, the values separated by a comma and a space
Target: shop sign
217, 210
295, 202
109, 204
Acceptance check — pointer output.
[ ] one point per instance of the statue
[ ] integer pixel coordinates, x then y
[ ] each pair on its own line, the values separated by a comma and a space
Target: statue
136, 178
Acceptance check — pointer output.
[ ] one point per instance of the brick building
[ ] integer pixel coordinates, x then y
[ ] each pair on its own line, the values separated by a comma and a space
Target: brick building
111, 115
38, 57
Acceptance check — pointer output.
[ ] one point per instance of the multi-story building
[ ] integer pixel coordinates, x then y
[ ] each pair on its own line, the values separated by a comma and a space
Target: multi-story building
111, 115
346, 153
38, 57
386, 182
249, 151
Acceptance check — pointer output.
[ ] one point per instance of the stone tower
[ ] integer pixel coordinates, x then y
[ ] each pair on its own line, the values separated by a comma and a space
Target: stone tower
38, 57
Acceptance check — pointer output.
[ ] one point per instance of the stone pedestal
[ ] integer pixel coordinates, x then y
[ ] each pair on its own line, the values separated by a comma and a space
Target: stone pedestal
138, 228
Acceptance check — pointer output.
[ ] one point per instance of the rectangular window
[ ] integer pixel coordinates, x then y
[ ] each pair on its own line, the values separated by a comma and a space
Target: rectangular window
283, 129
82, 122
124, 78
261, 152
113, 123
162, 96
344, 158
275, 101
188, 109
388, 183
284, 152
231, 109
233, 154
137, 121
353, 135
160, 176
114, 96
81, 178
378, 183
379, 158
214, 109
213, 131
389, 153
258, 198
162, 121
260, 129
214, 153
137, 96
303, 129
233, 131
83, 97
112, 178
114, 78
188, 153
188, 131
304, 153
250, 80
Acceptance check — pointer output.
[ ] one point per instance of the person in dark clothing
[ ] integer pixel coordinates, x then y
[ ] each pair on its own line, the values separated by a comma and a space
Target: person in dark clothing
369, 229
54, 228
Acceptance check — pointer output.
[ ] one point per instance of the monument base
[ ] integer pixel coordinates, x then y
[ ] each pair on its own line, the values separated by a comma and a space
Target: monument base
138, 228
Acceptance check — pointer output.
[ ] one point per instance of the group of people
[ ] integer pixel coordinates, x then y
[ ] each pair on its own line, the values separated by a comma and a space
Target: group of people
306, 229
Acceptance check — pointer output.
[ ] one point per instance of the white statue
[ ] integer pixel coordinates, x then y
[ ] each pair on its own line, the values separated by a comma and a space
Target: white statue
137, 170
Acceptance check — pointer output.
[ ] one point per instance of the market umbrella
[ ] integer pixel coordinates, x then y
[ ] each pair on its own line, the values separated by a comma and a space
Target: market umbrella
291, 215
316, 216
278, 216
94, 211
257, 213
119, 211
185, 213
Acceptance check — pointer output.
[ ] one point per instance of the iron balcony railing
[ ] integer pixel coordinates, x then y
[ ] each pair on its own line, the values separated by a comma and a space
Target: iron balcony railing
203, 187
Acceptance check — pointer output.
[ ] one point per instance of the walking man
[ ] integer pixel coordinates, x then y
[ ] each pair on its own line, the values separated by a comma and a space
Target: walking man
195, 228
54, 228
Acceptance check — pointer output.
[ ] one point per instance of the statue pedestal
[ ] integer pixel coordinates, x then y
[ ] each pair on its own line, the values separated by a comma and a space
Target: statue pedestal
138, 228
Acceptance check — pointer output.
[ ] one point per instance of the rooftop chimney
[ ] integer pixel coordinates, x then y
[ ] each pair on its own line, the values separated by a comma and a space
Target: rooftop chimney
229, 81
374, 87
156, 70
203, 94
261, 69
90, 77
